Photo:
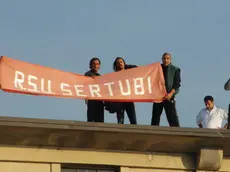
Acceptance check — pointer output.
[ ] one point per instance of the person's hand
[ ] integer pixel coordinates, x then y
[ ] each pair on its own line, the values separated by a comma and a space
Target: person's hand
220, 128
168, 96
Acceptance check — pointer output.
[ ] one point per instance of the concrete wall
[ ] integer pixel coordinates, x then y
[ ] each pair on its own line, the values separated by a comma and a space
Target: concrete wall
28, 167
32, 145
15, 159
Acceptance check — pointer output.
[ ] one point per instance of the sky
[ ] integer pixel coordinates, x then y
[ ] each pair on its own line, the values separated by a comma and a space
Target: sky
67, 34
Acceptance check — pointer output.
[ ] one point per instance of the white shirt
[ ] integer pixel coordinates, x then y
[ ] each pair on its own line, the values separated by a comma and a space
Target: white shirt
213, 118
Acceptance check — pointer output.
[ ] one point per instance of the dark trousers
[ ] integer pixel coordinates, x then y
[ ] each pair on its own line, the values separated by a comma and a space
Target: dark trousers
129, 107
170, 110
95, 111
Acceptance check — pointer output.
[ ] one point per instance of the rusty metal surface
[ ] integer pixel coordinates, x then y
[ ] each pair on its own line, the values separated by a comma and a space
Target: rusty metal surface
79, 135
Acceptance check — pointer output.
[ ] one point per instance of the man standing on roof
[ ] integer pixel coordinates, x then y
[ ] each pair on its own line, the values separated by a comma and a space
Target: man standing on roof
95, 108
172, 82
211, 116
121, 107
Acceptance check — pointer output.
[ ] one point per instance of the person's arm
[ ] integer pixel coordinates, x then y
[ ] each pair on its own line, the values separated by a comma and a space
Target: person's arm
176, 84
224, 115
129, 66
177, 80
199, 119
227, 85
225, 126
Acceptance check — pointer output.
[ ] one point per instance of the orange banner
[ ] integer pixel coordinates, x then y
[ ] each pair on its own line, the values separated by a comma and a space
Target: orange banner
141, 84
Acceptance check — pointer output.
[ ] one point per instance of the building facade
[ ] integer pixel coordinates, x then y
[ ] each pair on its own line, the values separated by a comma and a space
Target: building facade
39, 145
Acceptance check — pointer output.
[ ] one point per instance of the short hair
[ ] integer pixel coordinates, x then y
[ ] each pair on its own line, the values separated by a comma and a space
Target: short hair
115, 61
166, 53
207, 98
93, 59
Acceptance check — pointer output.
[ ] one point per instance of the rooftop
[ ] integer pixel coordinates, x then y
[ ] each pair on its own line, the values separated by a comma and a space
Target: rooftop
63, 134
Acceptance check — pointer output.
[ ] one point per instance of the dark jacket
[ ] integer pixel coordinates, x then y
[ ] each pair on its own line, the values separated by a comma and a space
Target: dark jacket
91, 73
172, 78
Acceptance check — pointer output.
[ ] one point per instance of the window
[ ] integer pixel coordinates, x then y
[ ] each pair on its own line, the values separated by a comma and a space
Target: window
84, 170
88, 168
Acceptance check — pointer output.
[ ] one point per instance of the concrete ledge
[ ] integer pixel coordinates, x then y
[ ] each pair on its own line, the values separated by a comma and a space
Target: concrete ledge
69, 158
209, 159
225, 166
82, 135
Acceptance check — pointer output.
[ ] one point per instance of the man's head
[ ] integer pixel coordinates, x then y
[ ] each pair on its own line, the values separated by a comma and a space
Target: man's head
166, 59
119, 64
209, 102
94, 64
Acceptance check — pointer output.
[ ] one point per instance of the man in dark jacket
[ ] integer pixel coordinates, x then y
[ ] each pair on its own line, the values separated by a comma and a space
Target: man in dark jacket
172, 83
95, 108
